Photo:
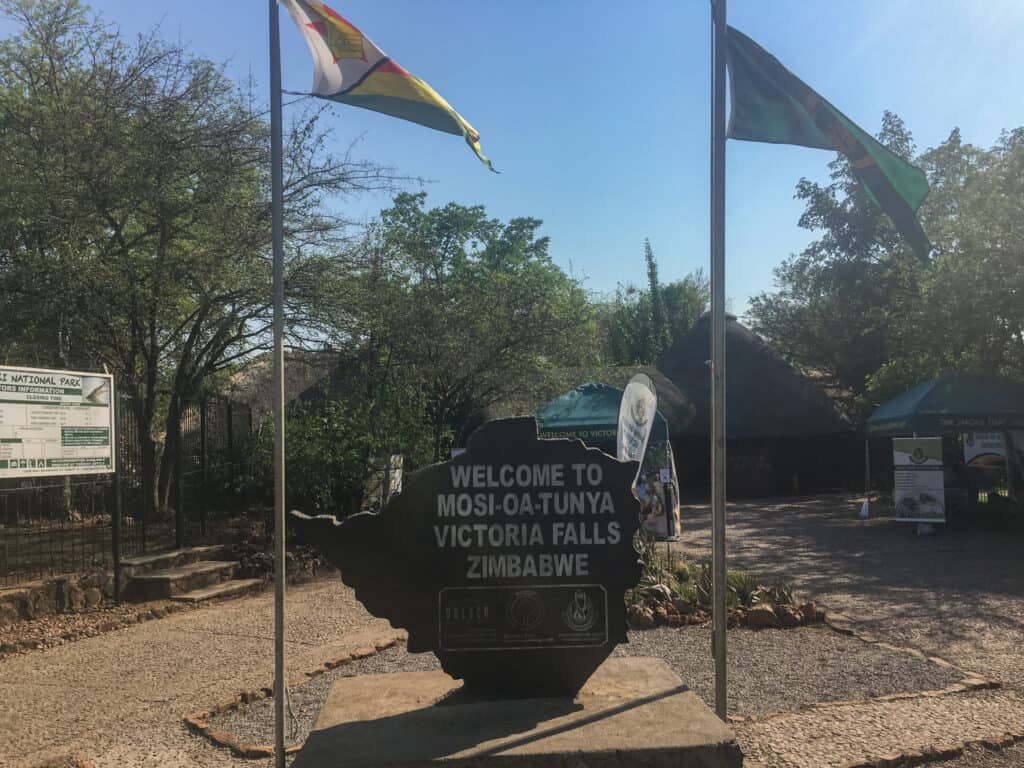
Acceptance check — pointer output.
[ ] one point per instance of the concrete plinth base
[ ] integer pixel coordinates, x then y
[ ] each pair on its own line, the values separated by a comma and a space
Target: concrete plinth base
633, 711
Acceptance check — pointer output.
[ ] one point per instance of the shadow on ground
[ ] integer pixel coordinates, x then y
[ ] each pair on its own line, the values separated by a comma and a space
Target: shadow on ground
956, 593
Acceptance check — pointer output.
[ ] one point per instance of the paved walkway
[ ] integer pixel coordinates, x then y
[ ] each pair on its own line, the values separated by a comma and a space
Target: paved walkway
118, 698
957, 594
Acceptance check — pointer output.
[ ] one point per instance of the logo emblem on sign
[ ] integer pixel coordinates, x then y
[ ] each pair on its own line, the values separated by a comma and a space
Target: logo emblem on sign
639, 412
580, 615
525, 610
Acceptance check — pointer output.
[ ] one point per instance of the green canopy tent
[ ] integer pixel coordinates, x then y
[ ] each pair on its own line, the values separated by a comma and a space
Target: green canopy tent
950, 404
590, 412
956, 402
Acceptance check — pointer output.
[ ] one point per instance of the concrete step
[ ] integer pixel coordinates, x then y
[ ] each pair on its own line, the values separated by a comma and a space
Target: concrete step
169, 582
234, 588
134, 566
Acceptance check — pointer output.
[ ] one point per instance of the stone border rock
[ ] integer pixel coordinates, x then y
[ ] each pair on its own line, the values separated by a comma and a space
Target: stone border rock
146, 612
937, 752
198, 722
844, 625
64, 593
679, 613
965, 686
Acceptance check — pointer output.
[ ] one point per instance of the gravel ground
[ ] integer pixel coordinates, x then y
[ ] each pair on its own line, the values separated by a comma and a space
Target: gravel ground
819, 664
255, 723
978, 757
782, 670
958, 594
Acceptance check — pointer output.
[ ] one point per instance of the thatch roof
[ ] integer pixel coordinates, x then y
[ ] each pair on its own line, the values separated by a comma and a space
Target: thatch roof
254, 382
765, 396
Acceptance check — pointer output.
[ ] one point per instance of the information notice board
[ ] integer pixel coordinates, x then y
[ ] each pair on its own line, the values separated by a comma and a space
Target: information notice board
919, 487
55, 423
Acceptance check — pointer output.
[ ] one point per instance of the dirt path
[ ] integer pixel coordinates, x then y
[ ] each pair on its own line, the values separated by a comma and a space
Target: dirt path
117, 699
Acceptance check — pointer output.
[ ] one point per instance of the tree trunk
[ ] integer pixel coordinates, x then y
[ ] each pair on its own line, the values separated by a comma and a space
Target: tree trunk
147, 460
168, 465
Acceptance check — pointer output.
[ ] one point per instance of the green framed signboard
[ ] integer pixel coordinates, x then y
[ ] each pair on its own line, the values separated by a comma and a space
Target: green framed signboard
55, 423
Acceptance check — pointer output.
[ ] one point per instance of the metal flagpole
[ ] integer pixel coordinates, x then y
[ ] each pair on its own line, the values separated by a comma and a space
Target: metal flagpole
277, 203
718, 349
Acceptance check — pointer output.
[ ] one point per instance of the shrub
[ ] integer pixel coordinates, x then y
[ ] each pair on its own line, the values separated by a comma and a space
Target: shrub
682, 573
779, 593
704, 584
741, 587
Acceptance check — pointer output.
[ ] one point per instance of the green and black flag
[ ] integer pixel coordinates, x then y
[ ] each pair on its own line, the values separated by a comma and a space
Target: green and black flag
771, 104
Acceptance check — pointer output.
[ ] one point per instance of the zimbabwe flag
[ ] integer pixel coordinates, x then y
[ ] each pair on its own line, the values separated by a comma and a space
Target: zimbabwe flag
349, 68
771, 104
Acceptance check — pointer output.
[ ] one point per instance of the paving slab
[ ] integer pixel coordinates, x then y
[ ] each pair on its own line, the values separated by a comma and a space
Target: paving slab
633, 711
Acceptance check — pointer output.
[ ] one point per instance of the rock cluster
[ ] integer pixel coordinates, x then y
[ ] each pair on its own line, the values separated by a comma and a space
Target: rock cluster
660, 608
302, 563
55, 629
65, 594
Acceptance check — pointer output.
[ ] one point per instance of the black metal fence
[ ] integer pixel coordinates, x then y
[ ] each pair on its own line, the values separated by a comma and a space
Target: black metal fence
55, 525
214, 436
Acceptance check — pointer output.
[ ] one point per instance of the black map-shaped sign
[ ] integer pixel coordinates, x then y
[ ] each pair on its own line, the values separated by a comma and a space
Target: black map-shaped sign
510, 562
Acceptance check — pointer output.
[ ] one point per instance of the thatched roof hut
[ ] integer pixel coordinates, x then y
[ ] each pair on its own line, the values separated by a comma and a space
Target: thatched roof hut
765, 396
785, 435
253, 383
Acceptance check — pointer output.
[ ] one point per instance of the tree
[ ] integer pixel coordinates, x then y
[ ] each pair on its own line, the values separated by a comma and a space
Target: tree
473, 308
857, 305
137, 227
636, 326
659, 333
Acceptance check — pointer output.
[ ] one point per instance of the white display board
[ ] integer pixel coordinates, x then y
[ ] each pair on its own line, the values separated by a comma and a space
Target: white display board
919, 489
55, 423
984, 448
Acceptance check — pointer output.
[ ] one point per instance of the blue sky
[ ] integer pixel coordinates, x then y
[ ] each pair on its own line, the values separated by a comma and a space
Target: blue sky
596, 112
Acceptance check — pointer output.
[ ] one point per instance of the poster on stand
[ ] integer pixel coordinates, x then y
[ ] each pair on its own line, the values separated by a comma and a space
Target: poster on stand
984, 449
637, 411
919, 489
55, 423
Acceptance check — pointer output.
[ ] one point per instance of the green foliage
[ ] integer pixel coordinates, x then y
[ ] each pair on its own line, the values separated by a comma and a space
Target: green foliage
682, 572
688, 591
741, 587
779, 593
474, 310
634, 330
651, 569
858, 306
334, 434
135, 230
659, 334
704, 583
